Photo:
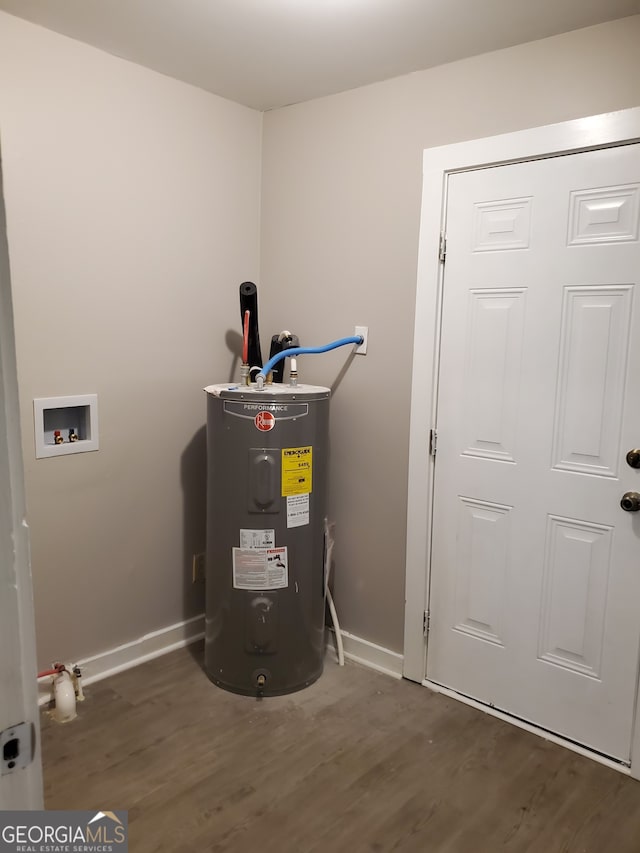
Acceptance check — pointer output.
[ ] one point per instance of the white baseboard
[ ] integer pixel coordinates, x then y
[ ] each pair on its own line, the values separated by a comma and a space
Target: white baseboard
181, 634
132, 654
369, 654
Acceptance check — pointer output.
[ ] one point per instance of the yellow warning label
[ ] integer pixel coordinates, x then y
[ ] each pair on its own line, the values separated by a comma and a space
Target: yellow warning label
297, 470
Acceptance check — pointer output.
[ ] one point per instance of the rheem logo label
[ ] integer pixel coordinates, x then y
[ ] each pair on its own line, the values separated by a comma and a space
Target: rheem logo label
264, 421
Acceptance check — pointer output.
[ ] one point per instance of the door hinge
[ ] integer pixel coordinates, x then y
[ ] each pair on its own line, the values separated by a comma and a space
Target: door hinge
442, 249
426, 621
433, 441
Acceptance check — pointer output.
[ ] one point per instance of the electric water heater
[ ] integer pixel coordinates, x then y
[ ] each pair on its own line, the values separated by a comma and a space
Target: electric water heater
266, 509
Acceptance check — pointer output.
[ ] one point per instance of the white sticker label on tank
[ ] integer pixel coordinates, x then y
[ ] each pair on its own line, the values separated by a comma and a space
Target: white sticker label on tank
257, 538
260, 568
297, 510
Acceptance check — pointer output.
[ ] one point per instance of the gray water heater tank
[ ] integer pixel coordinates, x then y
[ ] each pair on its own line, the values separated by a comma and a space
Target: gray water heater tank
266, 507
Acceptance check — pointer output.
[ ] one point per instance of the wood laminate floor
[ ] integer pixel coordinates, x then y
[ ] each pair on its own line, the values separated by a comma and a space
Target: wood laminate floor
357, 762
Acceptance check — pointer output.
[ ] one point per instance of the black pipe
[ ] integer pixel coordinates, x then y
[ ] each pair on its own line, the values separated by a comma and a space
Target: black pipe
277, 345
249, 302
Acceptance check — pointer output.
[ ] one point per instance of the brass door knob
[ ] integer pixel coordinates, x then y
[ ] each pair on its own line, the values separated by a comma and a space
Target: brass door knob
630, 502
633, 458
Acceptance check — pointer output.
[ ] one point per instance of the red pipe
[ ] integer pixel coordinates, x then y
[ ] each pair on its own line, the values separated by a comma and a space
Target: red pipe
245, 339
59, 667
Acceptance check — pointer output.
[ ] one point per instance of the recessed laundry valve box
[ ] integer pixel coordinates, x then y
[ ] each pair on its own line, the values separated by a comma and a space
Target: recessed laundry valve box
65, 425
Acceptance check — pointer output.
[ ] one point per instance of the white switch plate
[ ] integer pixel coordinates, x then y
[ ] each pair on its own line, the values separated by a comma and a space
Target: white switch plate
364, 331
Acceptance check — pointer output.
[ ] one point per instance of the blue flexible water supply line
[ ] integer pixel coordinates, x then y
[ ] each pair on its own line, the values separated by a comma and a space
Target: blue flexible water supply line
287, 353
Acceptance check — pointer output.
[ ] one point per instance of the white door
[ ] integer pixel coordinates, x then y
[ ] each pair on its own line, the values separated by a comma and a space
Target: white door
535, 583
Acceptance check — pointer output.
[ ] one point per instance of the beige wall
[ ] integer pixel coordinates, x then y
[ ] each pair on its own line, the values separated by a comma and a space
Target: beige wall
340, 219
133, 215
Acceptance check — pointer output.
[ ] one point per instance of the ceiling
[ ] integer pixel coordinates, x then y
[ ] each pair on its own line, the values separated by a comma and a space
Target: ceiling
269, 53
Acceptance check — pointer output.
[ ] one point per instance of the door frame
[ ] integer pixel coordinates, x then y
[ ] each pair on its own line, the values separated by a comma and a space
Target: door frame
569, 137
22, 788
